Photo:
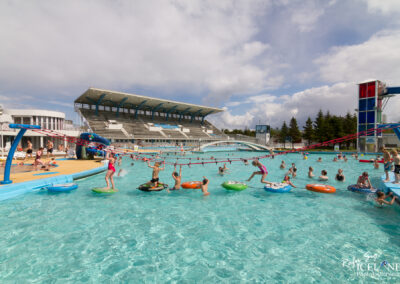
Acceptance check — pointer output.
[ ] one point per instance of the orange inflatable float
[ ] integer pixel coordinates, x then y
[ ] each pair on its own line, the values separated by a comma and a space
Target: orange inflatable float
322, 188
191, 184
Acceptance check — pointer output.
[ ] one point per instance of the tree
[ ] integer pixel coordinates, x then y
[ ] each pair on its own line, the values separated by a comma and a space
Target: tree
283, 134
294, 132
308, 131
319, 126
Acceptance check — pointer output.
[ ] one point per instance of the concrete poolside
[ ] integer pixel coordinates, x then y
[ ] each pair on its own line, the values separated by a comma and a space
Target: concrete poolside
65, 167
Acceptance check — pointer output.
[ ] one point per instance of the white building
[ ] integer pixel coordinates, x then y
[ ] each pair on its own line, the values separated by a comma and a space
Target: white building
46, 119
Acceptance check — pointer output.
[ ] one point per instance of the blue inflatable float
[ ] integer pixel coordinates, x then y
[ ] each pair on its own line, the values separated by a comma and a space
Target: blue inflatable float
62, 187
278, 187
355, 188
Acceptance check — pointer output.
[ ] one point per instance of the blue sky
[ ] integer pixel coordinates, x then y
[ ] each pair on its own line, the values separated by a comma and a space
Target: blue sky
261, 60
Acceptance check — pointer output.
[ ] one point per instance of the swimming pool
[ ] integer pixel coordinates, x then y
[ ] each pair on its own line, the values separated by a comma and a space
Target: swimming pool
156, 237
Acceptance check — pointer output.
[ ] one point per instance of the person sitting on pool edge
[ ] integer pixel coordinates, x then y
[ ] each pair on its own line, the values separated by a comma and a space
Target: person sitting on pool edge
382, 196
287, 180
340, 175
323, 176
204, 186
263, 171
156, 170
38, 160
363, 181
177, 178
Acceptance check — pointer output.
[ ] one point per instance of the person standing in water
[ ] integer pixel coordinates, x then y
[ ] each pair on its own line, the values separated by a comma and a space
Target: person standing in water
111, 171
387, 163
263, 171
177, 178
204, 186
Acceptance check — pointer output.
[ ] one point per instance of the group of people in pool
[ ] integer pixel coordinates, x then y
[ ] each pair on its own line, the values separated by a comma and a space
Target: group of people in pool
363, 180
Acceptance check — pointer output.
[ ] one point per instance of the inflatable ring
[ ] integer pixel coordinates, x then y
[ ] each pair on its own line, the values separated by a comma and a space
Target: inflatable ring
355, 188
147, 187
234, 185
192, 184
62, 187
103, 190
322, 188
278, 187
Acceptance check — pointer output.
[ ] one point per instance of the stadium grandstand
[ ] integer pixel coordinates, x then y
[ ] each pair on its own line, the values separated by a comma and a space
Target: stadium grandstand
124, 117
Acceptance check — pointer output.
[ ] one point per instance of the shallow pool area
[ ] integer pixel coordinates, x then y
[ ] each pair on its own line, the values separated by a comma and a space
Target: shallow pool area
229, 237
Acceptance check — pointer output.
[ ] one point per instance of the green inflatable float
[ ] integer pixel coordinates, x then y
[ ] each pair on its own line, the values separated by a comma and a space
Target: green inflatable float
234, 185
103, 190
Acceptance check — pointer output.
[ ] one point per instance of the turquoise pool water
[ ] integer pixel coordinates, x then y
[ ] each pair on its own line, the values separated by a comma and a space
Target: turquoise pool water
228, 237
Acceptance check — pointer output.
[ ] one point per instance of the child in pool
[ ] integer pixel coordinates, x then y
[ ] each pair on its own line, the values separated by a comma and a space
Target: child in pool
323, 176
204, 186
111, 170
376, 164
340, 175
294, 170
363, 181
156, 170
286, 179
263, 171
319, 159
310, 172
246, 162
387, 163
283, 165
177, 178
381, 198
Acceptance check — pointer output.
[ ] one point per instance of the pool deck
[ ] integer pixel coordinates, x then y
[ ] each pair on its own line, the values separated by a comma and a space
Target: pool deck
392, 187
66, 172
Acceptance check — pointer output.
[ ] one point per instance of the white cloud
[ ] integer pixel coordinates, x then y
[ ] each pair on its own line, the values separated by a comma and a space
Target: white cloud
378, 57
339, 99
383, 6
204, 46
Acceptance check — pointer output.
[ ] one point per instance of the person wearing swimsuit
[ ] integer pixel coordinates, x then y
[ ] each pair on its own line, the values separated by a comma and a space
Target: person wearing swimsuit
363, 181
396, 161
29, 149
111, 171
263, 172
178, 179
387, 163
38, 157
340, 175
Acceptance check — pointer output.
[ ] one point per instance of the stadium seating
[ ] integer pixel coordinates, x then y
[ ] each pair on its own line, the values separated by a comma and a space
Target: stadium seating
146, 128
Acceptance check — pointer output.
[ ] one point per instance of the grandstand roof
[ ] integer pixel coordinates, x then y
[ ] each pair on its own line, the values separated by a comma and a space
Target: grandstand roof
95, 96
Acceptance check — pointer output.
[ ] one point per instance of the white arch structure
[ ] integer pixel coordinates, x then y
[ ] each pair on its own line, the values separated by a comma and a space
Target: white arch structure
251, 145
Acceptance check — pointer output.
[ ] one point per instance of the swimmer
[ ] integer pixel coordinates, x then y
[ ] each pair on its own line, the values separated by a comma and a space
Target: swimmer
177, 178
345, 158
376, 164
263, 171
119, 160
363, 181
335, 159
387, 163
323, 176
111, 170
381, 198
286, 179
221, 171
319, 160
294, 170
132, 164
310, 172
396, 161
204, 186
340, 175
156, 170
283, 165
246, 162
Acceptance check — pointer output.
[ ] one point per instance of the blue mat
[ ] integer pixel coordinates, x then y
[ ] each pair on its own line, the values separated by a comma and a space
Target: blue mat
48, 173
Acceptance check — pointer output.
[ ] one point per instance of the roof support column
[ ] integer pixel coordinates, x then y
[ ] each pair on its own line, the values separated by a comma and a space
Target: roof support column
183, 113
194, 114
121, 103
155, 109
99, 102
138, 107
170, 110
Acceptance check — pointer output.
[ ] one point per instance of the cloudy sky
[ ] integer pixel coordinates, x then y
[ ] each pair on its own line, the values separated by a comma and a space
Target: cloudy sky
263, 61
